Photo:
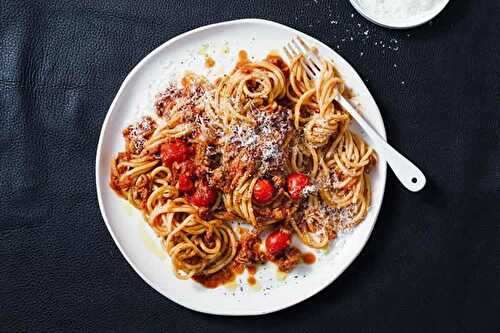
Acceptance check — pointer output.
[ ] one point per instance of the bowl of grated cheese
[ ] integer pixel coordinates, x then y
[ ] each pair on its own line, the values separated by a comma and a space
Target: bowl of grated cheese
399, 14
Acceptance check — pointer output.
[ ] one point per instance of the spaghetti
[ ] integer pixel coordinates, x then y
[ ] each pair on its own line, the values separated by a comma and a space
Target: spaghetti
264, 145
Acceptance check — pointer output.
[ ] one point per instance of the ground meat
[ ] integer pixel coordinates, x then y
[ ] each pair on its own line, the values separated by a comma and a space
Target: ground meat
200, 160
190, 169
194, 260
137, 134
278, 213
115, 183
117, 170
214, 157
167, 99
226, 177
142, 189
164, 104
287, 260
236, 169
177, 237
331, 233
189, 100
216, 279
124, 156
264, 212
216, 179
205, 213
226, 216
249, 250
208, 239
125, 183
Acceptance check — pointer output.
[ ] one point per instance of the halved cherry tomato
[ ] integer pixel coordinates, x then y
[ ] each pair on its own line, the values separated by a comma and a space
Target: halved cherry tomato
277, 241
175, 151
296, 183
203, 196
263, 191
185, 183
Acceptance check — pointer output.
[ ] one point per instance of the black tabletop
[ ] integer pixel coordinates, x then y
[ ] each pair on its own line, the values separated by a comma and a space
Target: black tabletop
432, 262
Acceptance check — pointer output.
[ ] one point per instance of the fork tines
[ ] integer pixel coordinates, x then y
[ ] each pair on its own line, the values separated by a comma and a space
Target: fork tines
311, 62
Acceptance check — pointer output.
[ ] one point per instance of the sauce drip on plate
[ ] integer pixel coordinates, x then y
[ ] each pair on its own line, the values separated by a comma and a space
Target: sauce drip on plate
209, 62
251, 280
309, 258
223, 276
242, 58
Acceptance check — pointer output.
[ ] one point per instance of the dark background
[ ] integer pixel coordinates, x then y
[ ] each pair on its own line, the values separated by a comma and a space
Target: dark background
432, 262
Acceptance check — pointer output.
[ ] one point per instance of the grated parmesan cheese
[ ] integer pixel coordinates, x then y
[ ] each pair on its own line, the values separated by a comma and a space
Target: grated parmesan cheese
398, 9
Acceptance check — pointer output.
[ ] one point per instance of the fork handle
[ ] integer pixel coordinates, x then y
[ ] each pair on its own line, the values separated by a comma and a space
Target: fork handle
407, 173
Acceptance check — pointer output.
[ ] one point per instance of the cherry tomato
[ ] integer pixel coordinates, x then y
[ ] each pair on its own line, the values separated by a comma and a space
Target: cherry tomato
176, 151
203, 196
185, 183
296, 183
277, 241
263, 191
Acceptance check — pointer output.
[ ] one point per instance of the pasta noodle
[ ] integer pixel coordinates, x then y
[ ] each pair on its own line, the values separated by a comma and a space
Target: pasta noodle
216, 153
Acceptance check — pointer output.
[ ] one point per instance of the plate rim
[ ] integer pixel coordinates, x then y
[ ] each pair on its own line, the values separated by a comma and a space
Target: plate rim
312, 291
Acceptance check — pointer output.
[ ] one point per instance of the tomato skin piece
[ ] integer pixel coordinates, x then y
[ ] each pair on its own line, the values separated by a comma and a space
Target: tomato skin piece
277, 241
296, 183
263, 191
203, 196
175, 151
185, 183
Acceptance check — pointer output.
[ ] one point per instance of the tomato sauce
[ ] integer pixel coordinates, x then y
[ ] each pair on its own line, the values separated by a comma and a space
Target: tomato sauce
309, 258
275, 59
242, 59
223, 276
251, 280
209, 62
237, 268
252, 270
186, 81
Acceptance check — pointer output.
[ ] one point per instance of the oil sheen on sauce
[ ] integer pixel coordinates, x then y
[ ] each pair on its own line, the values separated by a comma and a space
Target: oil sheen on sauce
281, 276
231, 285
149, 244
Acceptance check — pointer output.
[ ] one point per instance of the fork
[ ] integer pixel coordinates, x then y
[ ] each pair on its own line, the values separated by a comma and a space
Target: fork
407, 173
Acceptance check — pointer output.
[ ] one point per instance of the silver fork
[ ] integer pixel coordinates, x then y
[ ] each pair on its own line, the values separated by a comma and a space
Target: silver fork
407, 173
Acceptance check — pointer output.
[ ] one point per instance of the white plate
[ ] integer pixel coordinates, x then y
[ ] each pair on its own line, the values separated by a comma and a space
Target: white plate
139, 245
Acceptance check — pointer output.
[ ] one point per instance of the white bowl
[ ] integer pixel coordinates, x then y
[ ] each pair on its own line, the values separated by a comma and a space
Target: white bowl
399, 23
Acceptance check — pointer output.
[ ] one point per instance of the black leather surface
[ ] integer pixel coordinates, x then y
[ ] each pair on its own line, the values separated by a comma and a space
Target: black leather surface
432, 262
